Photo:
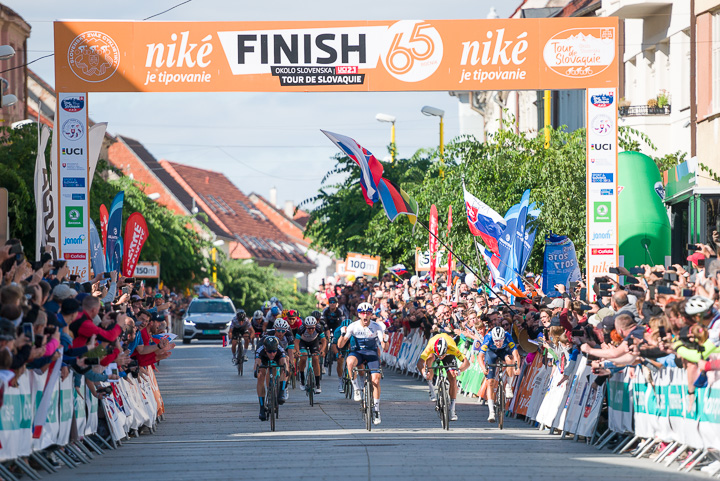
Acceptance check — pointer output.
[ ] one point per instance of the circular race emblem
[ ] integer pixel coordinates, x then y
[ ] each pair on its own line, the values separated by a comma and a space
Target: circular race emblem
412, 50
93, 56
72, 129
602, 209
602, 124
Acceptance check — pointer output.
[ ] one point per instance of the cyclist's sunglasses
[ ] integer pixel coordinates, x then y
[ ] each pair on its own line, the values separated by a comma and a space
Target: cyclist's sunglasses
271, 352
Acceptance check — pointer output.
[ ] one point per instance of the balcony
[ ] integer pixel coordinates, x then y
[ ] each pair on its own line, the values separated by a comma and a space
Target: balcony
642, 110
632, 8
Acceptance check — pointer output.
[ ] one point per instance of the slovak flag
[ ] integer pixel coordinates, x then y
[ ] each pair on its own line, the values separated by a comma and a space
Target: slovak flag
371, 168
398, 270
492, 261
483, 221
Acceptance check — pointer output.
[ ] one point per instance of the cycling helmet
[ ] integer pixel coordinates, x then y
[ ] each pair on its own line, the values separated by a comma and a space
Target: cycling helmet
292, 313
273, 300
310, 321
346, 323
697, 305
275, 311
316, 314
281, 324
497, 334
266, 305
240, 314
365, 307
258, 315
271, 343
441, 347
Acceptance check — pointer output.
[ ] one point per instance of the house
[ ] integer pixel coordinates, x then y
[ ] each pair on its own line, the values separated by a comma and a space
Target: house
14, 31
292, 222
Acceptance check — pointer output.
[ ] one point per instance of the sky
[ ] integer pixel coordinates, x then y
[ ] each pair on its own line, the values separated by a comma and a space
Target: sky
260, 140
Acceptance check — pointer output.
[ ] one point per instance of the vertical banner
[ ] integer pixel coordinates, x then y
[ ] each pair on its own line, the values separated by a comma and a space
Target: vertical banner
136, 233
449, 278
41, 187
96, 135
433, 242
113, 243
73, 185
560, 264
602, 205
104, 216
96, 250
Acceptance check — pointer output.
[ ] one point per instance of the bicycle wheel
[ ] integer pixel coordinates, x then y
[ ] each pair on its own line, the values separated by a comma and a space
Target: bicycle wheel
500, 408
293, 377
445, 411
240, 356
368, 405
270, 403
278, 385
310, 382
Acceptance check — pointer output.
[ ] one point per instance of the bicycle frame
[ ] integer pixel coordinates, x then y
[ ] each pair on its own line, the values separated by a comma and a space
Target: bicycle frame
368, 400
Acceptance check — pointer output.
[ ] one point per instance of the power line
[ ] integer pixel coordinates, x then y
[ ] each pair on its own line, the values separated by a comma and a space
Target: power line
26, 64
165, 11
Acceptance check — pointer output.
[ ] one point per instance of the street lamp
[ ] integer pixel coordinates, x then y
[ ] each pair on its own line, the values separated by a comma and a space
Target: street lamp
435, 112
391, 119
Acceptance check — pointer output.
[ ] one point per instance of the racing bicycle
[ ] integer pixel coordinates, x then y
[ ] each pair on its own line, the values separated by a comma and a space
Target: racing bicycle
310, 377
500, 391
368, 400
272, 392
442, 402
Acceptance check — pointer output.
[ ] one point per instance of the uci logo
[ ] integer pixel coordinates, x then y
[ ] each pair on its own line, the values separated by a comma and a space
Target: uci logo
71, 151
600, 146
414, 50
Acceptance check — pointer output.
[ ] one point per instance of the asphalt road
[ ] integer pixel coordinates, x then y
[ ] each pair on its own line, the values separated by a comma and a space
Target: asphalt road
212, 431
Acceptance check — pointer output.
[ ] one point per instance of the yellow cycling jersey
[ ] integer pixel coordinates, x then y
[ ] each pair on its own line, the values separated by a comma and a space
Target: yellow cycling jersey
451, 351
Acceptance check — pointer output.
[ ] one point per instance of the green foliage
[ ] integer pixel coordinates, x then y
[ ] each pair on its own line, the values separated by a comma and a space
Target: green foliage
249, 286
631, 140
497, 172
669, 161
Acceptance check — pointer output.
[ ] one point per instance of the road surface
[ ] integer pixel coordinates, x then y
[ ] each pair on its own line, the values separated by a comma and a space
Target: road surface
212, 431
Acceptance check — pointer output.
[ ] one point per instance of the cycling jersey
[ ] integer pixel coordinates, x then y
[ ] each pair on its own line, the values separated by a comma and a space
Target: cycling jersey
286, 340
366, 337
237, 324
331, 319
257, 325
452, 349
308, 336
352, 344
263, 356
488, 344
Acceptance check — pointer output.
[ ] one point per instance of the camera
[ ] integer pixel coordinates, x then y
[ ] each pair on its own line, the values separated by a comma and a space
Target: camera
50, 330
692, 247
16, 249
104, 390
92, 361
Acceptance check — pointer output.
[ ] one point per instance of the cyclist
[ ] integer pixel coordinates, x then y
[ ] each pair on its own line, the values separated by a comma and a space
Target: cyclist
294, 320
275, 302
310, 341
240, 327
498, 344
369, 337
281, 330
332, 316
322, 327
340, 353
266, 308
443, 348
270, 317
270, 350
257, 325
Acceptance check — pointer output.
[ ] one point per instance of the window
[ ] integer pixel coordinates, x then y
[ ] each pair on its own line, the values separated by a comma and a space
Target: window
716, 62
684, 44
225, 205
208, 203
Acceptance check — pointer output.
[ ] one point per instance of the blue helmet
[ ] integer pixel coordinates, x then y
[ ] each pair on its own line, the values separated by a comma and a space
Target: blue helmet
275, 311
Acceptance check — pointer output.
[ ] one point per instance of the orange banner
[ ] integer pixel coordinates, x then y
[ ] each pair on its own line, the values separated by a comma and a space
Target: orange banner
524, 392
405, 55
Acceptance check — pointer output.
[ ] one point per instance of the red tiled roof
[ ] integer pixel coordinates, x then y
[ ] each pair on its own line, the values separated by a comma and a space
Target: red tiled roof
237, 215
285, 224
577, 5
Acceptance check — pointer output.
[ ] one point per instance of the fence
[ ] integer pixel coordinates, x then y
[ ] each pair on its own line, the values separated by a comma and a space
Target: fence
644, 409
46, 414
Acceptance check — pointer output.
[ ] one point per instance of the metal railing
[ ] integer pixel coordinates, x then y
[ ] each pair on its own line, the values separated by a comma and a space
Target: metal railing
641, 110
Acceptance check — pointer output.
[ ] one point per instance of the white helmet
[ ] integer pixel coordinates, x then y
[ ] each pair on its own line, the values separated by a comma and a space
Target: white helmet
258, 315
497, 334
310, 321
281, 324
365, 307
697, 305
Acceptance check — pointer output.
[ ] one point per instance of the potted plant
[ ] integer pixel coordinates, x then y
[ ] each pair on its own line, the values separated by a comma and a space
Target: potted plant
652, 103
663, 99
624, 103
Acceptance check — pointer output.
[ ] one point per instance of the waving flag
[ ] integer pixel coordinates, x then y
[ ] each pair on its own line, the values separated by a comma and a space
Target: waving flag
398, 270
371, 168
113, 246
492, 261
396, 201
483, 221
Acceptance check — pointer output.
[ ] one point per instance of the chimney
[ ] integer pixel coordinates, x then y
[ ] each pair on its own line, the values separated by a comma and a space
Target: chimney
289, 209
273, 196
207, 179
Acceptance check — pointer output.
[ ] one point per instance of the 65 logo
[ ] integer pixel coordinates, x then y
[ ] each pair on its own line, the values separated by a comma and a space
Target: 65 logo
414, 50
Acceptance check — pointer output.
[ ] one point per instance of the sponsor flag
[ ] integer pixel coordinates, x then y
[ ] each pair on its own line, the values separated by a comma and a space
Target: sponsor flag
371, 168
42, 188
396, 201
53, 199
433, 224
96, 134
449, 269
483, 221
492, 261
97, 256
136, 233
398, 270
112, 255
529, 241
103, 225
560, 265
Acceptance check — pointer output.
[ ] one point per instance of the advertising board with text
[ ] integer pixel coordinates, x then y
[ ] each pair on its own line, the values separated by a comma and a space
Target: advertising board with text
490, 54
72, 179
361, 264
147, 270
423, 260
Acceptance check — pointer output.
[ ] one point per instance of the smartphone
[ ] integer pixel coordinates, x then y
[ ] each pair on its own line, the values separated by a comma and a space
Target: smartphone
598, 280
700, 262
631, 280
106, 275
664, 290
19, 258
653, 291
687, 293
129, 280
92, 361
114, 371
108, 306
583, 294
27, 328
614, 270
637, 271
16, 249
73, 277
603, 293
631, 341
87, 287
125, 290
692, 247
670, 269
670, 276
605, 286
662, 332
578, 332
39, 341
573, 286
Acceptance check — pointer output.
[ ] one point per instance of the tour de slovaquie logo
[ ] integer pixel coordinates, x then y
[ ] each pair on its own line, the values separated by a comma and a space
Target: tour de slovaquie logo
93, 56
580, 52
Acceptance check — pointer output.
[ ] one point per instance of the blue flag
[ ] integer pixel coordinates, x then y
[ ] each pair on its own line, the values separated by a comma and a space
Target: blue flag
113, 262
511, 243
96, 250
561, 265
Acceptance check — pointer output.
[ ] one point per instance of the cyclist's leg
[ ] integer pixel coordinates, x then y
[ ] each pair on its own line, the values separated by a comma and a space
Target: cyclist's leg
302, 362
247, 335
491, 358
261, 380
315, 349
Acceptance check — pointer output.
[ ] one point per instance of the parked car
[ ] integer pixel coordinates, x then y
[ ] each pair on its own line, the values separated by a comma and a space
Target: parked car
207, 319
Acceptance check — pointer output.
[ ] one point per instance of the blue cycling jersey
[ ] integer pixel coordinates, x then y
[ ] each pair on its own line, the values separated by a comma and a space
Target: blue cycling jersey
488, 344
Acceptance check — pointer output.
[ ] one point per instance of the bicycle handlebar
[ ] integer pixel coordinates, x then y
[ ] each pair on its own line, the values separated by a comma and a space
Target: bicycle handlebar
501, 364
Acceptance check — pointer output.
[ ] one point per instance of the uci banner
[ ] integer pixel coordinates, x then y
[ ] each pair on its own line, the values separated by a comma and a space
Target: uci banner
494, 54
